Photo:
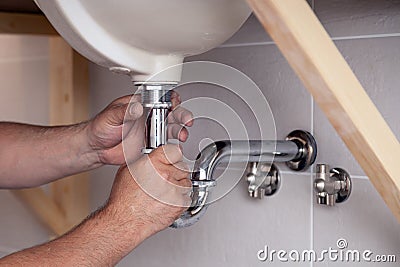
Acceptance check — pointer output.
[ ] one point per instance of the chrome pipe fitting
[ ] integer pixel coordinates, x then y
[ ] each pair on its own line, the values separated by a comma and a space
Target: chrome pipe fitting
301, 151
156, 101
332, 186
307, 148
264, 179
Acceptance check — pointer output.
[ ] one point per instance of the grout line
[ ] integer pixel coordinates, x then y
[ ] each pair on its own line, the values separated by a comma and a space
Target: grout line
340, 38
310, 172
312, 198
246, 44
304, 174
282, 172
368, 36
312, 214
295, 173
361, 177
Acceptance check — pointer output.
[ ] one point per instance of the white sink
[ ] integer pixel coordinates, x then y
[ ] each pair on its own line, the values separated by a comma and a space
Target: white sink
143, 37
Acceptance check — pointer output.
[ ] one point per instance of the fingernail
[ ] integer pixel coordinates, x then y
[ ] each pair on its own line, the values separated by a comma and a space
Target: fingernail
136, 110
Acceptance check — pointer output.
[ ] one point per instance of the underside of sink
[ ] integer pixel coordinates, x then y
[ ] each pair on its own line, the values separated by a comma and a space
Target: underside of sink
142, 37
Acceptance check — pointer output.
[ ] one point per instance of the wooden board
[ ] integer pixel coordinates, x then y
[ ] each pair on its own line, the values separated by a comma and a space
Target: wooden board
323, 70
14, 23
68, 204
69, 93
45, 208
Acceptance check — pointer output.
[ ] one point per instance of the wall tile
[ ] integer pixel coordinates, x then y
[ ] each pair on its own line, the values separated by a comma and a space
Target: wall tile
19, 228
219, 114
252, 32
364, 226
359, 17
288, 99
24, 89
219, 245
234, 229
376, 62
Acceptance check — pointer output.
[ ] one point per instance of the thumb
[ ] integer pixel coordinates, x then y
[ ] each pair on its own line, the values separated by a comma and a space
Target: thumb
114, 114
117, 114
135, 111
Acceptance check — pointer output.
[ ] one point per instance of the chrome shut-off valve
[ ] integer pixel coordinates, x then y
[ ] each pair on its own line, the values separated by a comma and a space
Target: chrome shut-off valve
332, 186
264, 179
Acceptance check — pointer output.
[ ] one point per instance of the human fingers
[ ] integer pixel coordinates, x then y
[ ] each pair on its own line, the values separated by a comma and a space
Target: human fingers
132, 104
186, 184
176, 174
120, 110
183, 167
177, 131
114, 114
167, 154
126, 99
182, 116
135, 111
175, 99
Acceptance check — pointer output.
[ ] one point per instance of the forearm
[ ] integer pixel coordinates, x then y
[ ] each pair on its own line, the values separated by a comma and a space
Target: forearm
34, 155
102, 240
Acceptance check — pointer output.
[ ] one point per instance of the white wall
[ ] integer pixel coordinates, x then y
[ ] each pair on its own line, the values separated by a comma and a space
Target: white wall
368, 34
24, 98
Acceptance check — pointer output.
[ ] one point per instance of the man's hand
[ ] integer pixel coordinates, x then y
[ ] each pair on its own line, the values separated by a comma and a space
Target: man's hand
35, 155
156, 195
105, 131
129, 217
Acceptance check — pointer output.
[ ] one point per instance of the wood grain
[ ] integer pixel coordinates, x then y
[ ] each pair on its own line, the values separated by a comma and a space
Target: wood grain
314, 57
14, 23
69, 96
47, 211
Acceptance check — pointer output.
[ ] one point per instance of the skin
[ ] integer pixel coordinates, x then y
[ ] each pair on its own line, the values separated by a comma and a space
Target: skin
35, 155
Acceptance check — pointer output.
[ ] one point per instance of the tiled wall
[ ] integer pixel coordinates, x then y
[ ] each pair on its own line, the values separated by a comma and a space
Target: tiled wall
368, 34
235, 228
24, 98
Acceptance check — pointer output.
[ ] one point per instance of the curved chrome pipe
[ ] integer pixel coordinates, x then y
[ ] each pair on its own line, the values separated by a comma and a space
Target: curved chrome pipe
292, 151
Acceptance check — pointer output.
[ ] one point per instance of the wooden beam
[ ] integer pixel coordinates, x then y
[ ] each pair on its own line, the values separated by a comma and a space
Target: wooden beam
14, 23
44, 207
323, 70
69, 94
